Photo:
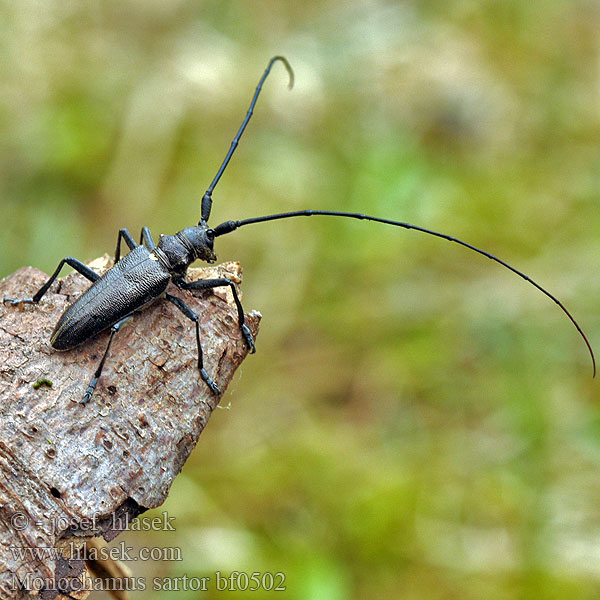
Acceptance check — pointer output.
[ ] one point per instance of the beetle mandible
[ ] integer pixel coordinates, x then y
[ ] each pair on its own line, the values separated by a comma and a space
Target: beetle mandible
142, 276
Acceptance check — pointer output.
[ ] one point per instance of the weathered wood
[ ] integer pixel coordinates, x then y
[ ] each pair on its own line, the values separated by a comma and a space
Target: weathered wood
65, 468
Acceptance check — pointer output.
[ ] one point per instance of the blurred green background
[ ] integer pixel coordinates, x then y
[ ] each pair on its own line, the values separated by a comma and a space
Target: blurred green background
417, 422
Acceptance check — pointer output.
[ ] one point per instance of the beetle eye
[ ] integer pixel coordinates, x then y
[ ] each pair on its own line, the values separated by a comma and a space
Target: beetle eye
210, 234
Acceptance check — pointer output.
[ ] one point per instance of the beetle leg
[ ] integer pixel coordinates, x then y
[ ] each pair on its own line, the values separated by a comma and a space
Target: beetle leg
72, 262
94, 381
190, 314
124, 235
146, 239
206, 284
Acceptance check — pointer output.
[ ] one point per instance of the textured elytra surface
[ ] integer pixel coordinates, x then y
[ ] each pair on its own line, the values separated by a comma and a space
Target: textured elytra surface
64, 466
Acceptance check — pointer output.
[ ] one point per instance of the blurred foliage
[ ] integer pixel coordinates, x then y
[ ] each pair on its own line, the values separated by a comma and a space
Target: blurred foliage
417, 422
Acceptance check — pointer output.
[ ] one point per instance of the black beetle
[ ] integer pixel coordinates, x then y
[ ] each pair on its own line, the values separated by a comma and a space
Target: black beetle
143, 275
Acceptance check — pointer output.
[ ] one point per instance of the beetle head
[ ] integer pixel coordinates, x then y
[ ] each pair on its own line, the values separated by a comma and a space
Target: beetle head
179, 251
201, 239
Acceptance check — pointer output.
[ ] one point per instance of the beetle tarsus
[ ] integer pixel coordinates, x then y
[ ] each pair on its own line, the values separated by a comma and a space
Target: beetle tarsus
248, 338
88, 395
210, 382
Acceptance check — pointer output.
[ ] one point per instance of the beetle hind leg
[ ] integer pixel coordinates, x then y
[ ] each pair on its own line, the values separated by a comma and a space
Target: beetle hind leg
92, 386
69, 260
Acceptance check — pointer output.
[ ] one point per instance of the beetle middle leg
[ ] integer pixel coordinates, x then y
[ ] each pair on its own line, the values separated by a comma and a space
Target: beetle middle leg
206, 284
94, 381
190, 314
124, 235
146, 239
72, 262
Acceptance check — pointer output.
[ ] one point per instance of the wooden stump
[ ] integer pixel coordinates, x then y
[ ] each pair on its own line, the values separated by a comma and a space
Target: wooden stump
66, 470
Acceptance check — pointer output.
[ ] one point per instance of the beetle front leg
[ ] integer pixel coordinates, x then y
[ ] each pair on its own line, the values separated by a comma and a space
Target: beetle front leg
206, 284
72, 262
190, 314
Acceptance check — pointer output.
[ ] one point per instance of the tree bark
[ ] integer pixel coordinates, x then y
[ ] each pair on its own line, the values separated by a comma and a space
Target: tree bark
66, 470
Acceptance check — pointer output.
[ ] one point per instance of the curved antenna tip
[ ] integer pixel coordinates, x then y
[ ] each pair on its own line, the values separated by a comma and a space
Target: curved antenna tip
287, 66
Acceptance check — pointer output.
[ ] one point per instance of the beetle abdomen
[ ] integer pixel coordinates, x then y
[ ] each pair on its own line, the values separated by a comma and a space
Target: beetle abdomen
131, 284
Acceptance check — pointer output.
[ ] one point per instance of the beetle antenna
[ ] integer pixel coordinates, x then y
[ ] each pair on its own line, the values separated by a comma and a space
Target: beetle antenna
230, 226
207, 198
